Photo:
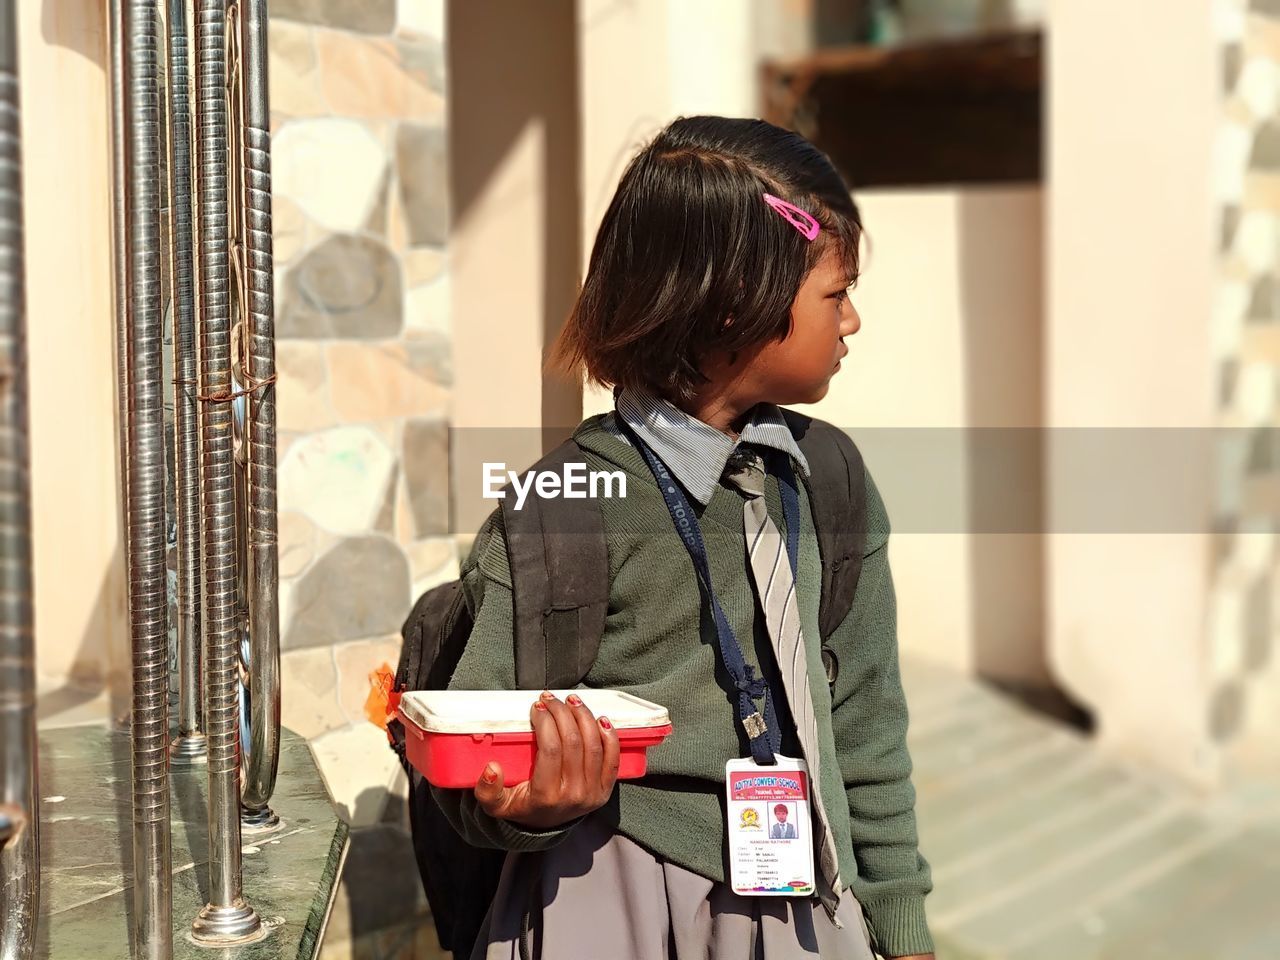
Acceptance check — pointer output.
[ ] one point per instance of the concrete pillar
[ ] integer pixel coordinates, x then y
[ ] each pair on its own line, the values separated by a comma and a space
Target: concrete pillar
81, 617
514, 153
1132, 114
942, 383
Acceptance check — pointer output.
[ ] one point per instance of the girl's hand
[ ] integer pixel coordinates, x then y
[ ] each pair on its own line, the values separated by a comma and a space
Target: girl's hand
574, 768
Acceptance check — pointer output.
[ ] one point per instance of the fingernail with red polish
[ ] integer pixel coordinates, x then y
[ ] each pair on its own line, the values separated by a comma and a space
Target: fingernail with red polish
548, 695
539, 705
574, 700
604, 722
490, 774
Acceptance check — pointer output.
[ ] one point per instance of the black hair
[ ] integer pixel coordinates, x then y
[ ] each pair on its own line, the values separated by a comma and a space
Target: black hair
688, 242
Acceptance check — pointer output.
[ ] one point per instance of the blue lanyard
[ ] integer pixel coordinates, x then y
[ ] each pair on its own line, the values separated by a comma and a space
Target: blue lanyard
790, 512
764, 733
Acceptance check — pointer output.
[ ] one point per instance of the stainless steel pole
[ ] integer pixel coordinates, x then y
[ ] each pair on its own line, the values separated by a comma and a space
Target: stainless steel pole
19, 798
190, 744
148, 605
226, 917
262, 755
120, 243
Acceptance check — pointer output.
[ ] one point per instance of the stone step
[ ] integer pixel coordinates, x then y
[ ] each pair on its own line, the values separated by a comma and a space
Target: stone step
1115, 922
1044, 849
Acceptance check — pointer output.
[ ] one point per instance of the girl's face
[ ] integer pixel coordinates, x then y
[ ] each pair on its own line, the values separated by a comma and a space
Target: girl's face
799, 368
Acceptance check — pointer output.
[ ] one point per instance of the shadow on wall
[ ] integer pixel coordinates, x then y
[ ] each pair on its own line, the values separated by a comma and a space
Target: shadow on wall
65, 23
513, 64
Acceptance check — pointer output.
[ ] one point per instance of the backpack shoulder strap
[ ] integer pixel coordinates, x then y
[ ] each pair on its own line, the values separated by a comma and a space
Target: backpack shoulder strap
559, 579
837, 496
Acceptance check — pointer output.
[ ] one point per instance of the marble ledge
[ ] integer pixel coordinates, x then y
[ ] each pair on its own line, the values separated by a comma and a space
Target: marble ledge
290, 874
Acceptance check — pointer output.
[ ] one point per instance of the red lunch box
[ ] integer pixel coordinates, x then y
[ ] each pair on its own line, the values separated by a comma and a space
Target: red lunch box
451, 735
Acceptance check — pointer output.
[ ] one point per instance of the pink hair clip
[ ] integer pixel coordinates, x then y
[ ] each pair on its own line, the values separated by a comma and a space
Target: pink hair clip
802, 221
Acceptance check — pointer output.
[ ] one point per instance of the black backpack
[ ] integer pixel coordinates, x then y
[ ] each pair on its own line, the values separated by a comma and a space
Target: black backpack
560, 589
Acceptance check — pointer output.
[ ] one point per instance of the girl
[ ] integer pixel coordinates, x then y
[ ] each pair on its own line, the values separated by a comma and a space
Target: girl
717, 290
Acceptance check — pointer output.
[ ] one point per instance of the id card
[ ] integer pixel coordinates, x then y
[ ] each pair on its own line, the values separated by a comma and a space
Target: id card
770, 832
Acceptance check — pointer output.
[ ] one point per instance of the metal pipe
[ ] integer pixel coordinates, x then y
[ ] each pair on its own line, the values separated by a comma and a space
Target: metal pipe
240, 405
189, 8
19, 798
148, 604
262, 756
120, 243
190, 743
226, 917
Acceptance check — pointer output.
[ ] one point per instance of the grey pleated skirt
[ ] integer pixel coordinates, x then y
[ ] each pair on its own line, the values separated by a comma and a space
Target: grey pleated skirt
600, 896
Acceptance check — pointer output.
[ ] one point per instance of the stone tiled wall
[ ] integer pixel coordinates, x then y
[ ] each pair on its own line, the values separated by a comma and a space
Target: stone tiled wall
358, 93
1244, 661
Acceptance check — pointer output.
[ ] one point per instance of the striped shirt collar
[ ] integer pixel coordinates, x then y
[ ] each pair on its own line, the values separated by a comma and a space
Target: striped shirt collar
694, 451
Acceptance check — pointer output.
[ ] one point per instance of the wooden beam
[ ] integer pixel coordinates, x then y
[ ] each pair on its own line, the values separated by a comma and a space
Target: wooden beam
945, 112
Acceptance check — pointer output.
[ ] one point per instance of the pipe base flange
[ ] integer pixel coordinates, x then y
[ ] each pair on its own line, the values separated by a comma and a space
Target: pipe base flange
258, 821
189, 748
223, 926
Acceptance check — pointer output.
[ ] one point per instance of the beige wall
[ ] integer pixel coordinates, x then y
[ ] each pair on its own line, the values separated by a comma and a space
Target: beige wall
81, 618
642, 65
951, 307
1130, 279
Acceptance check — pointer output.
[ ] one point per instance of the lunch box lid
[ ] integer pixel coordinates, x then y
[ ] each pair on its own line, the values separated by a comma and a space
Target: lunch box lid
507, 711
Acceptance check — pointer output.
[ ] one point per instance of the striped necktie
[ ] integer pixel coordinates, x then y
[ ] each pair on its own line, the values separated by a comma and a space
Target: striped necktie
776, 590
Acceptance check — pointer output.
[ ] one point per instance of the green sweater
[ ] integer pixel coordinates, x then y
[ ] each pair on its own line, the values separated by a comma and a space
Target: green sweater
660, 644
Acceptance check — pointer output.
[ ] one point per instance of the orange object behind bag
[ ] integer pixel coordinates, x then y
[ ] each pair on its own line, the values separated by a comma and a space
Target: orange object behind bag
383, 702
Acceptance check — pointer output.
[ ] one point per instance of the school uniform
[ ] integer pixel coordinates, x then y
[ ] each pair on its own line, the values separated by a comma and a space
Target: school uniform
644, 877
